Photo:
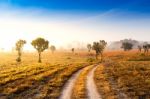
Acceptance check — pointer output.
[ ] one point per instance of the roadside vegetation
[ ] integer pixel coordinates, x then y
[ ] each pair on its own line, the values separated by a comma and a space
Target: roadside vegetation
122, 76
103, 85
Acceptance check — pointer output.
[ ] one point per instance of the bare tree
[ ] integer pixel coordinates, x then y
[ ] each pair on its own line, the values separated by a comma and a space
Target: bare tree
40, 44
19, 48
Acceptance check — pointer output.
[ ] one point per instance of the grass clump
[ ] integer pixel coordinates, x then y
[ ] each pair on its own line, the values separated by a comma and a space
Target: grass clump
103, 85
131, 77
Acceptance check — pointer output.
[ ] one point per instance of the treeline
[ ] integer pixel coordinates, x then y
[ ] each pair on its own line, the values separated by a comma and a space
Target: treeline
129, 44
116, 45
40, 44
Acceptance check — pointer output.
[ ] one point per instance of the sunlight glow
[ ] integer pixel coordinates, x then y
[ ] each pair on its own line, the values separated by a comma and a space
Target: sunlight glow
61, 30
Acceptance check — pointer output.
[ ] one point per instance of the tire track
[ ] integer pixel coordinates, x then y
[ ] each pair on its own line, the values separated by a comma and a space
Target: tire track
68, 88
91, 87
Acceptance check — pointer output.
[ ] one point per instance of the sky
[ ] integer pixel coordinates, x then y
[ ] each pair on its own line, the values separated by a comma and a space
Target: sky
68, 22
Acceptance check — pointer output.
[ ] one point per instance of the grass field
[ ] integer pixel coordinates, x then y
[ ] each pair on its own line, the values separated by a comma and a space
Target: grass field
124, 74
121, 74
32, 79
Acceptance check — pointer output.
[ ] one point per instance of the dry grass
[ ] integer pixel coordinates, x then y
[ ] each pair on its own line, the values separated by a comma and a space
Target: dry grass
38, 80
129, 72
123, 72
103, 85
132, 78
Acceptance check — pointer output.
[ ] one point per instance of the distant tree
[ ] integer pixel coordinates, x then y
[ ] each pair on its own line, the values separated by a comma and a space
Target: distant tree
89, 46
127, 46
99, 48
19, 48
52, 48
140, 48
72, 50
146, 48
2, 49
40, 44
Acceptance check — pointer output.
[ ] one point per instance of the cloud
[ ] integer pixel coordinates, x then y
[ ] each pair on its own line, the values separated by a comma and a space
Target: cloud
61, 28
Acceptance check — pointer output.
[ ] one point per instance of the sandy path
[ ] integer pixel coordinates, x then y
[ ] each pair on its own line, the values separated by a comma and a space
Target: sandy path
67, 90
91, 87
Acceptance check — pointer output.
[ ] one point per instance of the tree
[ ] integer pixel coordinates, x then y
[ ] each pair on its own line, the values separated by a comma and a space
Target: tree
146, 48
19, 48
89, 46
40, 44
127, 46
99, 48
140, 48
72, 50
52, 48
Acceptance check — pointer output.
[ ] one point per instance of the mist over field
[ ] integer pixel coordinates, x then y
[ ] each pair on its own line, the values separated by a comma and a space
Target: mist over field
64, 24
74, 49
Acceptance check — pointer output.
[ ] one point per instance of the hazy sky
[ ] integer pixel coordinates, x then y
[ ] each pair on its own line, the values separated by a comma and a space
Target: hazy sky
65, 21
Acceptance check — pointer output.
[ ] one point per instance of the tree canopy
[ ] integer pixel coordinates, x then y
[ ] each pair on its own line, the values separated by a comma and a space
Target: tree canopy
127, 46
40, 44
99, 47
89, 46
52, 48
19, 47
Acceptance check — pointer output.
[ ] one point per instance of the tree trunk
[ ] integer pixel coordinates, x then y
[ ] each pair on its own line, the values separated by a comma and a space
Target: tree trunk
96, 56
19, 56
101, 57
39, 57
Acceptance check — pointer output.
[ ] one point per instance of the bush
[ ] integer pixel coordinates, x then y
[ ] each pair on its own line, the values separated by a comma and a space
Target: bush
18, 60
90, 60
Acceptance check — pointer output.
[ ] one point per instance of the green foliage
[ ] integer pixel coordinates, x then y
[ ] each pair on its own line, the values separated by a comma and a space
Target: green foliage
99, 47
40, 44
89, 46
19, 47
127, 46
52, 48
